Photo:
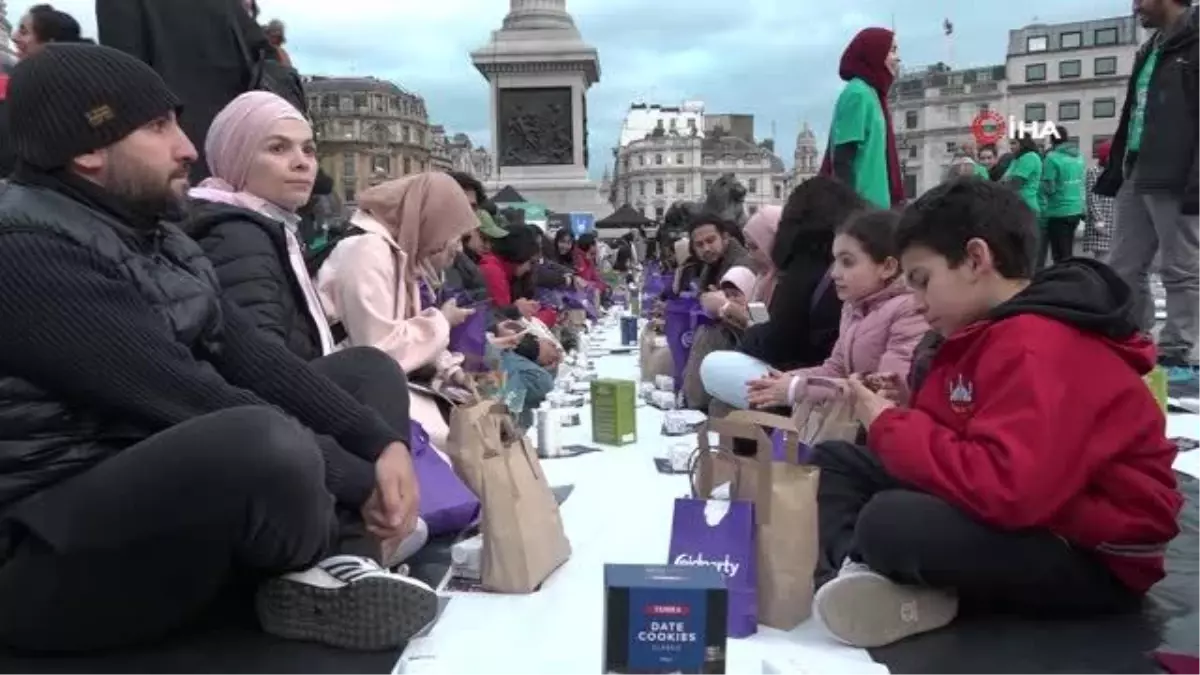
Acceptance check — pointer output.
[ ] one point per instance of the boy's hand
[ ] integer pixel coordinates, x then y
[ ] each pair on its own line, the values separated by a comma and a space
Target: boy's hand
868, 405
891, 386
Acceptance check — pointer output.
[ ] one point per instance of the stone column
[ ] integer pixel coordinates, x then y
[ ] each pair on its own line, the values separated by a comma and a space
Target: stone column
533, 14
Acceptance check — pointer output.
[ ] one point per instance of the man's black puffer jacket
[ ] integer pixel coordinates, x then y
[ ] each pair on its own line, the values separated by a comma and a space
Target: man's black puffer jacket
249, 252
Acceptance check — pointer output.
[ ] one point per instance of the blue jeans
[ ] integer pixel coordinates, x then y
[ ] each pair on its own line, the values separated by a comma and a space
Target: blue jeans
725, 374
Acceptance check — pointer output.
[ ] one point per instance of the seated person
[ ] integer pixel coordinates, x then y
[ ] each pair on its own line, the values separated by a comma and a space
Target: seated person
994, 486
805, 310
370, 284
881, 323
157, 446
262, 162
509, 263
716, 248
734, 288
586, 261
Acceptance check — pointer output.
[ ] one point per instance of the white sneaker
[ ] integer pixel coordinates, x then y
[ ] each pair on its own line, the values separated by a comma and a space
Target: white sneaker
348, 602
396, 550
866, 609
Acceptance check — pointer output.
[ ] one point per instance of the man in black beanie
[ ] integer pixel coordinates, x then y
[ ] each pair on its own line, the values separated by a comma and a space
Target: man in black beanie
153, 446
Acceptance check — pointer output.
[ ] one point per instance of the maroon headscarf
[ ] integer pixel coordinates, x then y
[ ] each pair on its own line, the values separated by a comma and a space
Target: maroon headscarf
866, 58
1103, 151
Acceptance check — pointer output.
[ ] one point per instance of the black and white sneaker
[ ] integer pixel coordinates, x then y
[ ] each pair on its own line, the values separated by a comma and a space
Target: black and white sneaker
348, 602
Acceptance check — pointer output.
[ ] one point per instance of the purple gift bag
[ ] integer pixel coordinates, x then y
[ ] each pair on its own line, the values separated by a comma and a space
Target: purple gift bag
447, 504
428, 297
581, 300
684, 315
728, 546
469, 338
779, 448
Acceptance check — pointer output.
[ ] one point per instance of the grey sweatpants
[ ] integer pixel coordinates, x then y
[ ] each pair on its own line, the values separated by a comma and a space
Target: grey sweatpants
1148, 225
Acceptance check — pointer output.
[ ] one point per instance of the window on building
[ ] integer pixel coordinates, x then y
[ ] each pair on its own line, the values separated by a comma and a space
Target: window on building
1070, 40
1104, 108
346, 103
404, 133
658, 159
658, 187
626, 163
407, 166
752, 186
983, 107
1035, 112
1069, 69
679, 158
679, 186
674, 123
349, 164
952, 114
329, 102
1068, 111
360, 101
910, 119
381, 164
951, 147
708, 186
346, 129
1037, 43
691, 123
659, 212
641, 188
381, 135
1105, 65
349, 194
912, 152
1098, 140
910, 186
1035, 72
778, 191
1106, 36
641, 160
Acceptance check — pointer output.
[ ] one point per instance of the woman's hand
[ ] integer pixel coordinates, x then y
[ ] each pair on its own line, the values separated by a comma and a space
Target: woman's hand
890, 386
868, 405
527, 307
509, 341
770, 390
455, 314
712, 302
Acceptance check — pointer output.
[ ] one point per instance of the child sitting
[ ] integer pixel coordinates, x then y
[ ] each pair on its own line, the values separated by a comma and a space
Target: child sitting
880, 325
1031, 473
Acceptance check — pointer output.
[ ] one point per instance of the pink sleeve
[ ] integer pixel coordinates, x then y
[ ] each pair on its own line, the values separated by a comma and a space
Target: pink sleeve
905, 331
371, 302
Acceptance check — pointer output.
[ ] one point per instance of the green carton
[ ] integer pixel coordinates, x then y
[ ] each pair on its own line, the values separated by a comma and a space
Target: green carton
614, 412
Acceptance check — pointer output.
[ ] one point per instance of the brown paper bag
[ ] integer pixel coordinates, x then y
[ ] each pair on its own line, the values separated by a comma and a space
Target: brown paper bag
817, 420
785, 512
523, 536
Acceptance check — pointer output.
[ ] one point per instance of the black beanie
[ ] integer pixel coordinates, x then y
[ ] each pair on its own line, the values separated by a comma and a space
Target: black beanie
72, 99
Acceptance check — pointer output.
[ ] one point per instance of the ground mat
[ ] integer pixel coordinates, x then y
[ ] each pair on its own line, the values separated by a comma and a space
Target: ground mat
228, 640
1124, 644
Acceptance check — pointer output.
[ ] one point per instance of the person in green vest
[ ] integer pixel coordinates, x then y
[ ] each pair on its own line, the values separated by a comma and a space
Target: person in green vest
862, 143
1152, 173
1063, 174
1024, 173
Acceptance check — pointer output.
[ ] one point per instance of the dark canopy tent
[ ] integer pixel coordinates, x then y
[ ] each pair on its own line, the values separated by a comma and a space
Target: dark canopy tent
626, 216
508, 195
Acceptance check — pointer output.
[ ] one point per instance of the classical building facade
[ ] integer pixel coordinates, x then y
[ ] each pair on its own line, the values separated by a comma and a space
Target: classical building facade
439, 150
684, 152
806, 160
7, 51
368, 131
932, 110
1073, 74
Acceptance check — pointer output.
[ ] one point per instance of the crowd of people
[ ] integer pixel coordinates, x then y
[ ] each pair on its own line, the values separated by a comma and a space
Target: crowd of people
196, 400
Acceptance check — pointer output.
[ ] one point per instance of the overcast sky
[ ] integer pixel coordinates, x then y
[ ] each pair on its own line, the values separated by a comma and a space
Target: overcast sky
776, 59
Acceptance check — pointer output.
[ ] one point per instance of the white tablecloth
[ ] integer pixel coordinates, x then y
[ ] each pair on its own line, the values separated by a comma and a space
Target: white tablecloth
620, 512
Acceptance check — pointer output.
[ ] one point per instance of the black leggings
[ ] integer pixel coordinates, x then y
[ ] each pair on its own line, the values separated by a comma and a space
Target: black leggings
915, 538
1058, 239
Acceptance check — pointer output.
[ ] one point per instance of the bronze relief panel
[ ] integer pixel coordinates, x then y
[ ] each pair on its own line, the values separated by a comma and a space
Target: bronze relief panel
535, 126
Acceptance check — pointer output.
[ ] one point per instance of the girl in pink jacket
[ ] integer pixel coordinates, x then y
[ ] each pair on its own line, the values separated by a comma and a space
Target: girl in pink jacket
880, 325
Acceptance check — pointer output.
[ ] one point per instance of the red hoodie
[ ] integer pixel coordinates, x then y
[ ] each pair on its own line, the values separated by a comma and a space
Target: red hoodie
497, 275
1038, 417
585, 267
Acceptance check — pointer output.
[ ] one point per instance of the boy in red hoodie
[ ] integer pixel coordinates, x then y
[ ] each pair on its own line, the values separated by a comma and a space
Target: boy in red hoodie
1028, 472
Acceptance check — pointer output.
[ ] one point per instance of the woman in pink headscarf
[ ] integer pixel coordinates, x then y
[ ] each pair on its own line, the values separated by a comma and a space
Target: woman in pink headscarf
261, 155
760, 239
